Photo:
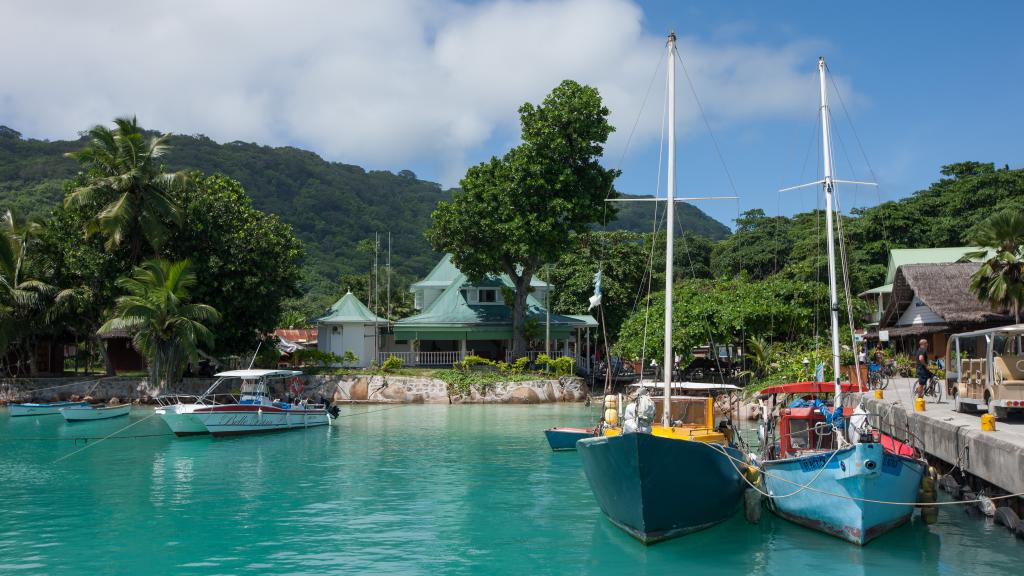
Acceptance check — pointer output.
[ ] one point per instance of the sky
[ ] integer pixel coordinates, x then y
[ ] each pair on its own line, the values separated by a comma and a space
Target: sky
434, 86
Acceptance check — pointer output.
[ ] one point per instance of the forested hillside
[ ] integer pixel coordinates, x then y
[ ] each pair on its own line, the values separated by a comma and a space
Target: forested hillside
332, 206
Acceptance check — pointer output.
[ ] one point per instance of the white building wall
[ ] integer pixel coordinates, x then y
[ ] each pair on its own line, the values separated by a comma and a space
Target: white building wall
919, 313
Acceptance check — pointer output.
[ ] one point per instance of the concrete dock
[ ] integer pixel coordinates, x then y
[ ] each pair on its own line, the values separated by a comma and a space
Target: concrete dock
996, 457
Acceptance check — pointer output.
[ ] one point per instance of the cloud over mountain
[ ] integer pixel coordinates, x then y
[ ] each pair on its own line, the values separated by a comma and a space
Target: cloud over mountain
385, 83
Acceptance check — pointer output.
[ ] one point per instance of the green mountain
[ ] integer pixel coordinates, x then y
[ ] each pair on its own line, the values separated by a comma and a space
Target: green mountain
332, 206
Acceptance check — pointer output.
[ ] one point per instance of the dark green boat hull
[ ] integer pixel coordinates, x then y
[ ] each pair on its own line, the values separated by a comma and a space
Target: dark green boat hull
657, 488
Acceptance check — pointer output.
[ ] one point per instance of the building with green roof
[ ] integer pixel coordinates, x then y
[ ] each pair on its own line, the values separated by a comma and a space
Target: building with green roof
349, 326
880, 297
458, 317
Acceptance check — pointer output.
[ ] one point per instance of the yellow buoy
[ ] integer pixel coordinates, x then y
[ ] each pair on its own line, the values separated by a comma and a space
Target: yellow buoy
611, 417
919, 405
988, 423
879, 395
610, 401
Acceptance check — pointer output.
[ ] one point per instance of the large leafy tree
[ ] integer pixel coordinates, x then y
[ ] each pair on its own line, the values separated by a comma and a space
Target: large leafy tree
125, 178
725, 312
165, 326
514, 213
246, 262
1000, 280
760, 246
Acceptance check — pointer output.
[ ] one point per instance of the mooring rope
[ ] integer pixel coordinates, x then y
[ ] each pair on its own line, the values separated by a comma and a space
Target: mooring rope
808, 486
66, 456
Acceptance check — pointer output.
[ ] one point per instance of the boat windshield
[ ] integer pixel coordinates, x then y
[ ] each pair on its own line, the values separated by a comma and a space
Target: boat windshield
254, 388
686, 411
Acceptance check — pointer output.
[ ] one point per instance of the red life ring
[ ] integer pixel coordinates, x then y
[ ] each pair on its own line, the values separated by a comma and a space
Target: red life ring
296, 386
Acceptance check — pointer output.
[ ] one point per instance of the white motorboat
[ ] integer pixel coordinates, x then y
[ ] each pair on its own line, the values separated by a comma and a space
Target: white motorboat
254, 411
90, 412
41, 409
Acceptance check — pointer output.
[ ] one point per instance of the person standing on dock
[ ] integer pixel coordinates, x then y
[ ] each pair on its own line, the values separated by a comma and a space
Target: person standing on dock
921, 362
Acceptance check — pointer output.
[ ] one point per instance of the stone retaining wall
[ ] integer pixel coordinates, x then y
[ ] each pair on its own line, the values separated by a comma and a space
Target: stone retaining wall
340, 388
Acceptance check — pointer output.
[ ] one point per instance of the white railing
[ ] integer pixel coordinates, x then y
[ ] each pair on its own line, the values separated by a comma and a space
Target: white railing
446, 358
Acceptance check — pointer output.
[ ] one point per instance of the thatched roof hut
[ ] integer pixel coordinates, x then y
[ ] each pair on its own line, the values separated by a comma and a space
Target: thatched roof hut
937, 298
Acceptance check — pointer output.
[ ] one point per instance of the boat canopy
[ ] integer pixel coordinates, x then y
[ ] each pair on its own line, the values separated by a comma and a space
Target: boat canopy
686, 385
808, 388
249, 374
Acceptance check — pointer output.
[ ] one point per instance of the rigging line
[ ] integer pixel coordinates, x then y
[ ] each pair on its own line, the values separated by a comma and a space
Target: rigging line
847, 293
860, 147
707, 124
112, 434
707, 318
636, 122
654, 238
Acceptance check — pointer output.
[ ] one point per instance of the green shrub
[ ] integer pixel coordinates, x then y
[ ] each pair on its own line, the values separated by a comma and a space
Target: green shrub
316, 357
391, 364
519, 366
348, 358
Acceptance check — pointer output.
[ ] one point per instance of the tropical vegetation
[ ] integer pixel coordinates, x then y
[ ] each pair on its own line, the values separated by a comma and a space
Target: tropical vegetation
1000, 280
514, 213
157, 312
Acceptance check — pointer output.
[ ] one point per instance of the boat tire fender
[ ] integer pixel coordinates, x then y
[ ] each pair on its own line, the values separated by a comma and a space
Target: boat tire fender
1007, 517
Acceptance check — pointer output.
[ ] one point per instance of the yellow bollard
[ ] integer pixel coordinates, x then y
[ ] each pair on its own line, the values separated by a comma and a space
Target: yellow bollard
879, 395
919, 405
988, 423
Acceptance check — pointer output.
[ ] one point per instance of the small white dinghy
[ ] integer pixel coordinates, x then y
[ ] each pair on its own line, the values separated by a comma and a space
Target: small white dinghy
90, 412
41, 409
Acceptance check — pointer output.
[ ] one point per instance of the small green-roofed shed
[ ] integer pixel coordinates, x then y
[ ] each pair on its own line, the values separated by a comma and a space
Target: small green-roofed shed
349, 326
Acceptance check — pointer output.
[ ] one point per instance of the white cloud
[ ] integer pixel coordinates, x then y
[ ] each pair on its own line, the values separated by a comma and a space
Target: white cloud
383, 83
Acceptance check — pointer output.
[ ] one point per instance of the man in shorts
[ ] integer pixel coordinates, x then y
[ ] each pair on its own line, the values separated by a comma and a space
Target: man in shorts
921, 363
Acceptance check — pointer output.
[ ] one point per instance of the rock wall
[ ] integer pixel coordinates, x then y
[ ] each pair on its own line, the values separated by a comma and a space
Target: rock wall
339, 388
409, 389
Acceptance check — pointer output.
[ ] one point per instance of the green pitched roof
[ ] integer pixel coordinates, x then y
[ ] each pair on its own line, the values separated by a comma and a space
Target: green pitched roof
452, 314
350, 309
903, 256
445, 273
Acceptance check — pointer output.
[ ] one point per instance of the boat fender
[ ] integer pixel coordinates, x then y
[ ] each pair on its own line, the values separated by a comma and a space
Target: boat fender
645, 411
752, 505
986, 506
611, 417
629, 421
1007, 517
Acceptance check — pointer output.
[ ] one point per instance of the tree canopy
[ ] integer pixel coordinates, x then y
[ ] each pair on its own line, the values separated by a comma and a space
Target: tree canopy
514, 213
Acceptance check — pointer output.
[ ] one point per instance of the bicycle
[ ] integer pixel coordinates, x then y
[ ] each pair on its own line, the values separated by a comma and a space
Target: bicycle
931, 389
877, 378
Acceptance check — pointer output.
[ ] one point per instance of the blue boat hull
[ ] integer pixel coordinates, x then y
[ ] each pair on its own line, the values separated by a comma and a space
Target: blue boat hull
861, 472
657, 488
566, 438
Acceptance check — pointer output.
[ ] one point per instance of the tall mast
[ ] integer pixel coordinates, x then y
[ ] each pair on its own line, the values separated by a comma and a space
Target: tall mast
670, 205
829, 184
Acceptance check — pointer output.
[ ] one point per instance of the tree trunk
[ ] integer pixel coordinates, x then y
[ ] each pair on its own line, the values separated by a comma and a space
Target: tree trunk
108, 364
522, 288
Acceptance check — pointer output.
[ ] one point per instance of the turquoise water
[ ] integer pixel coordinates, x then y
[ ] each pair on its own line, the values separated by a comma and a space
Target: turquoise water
395, 490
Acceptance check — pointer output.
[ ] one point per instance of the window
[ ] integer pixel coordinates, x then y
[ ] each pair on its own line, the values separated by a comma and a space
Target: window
488, 296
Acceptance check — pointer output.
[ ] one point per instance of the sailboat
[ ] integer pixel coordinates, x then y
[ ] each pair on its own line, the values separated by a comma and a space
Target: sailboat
661, 481
828, 469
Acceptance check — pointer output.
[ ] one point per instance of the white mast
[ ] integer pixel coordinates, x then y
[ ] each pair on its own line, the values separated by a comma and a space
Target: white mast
670, 205
829, 184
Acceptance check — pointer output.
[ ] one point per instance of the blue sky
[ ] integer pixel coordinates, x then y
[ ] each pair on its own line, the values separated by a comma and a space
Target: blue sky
937, 83
433, 85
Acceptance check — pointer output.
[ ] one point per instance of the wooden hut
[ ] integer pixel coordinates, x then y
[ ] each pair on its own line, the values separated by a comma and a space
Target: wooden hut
933, 301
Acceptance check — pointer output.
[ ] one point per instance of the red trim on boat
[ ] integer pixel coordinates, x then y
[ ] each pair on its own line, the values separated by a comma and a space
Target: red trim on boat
809, 388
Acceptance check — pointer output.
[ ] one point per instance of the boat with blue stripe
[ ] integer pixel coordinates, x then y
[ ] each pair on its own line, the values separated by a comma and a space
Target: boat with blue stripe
564, 438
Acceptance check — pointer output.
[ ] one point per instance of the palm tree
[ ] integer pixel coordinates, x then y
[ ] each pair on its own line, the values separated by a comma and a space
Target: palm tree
125, 178
165, 328
1000, 280
21, 297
